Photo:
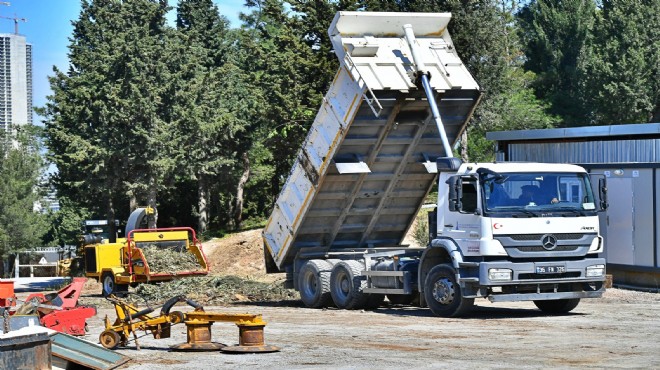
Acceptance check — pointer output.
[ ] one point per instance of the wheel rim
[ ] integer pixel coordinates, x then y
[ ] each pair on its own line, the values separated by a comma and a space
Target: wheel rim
310, 284
344, 285
108, 284
443, 291
109, 339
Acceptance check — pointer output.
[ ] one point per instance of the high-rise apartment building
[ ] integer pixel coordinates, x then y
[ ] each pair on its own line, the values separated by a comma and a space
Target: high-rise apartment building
15, 81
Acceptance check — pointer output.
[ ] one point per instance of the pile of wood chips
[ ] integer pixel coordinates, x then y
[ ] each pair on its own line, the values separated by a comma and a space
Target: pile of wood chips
169, 260
217, 290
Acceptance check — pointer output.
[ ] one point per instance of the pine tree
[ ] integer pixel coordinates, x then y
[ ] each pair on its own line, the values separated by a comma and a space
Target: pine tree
621, 68
105, 126
21, 228
554, 33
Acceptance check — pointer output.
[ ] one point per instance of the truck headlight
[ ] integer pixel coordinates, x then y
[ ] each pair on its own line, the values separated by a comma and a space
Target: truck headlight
595, 270
499, 274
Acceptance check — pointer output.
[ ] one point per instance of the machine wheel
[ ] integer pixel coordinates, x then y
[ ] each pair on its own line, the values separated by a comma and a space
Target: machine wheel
108, 282
314, 283
443, 293
346, 285
557, 305
109, 339
403, 299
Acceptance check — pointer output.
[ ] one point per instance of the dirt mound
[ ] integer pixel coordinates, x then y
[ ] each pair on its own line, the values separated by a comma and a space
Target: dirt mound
239, 254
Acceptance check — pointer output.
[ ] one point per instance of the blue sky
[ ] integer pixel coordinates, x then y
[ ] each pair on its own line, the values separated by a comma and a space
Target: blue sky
48, 29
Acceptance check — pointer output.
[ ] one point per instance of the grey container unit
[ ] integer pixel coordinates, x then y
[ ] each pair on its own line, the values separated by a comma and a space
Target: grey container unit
629, 156
368, 161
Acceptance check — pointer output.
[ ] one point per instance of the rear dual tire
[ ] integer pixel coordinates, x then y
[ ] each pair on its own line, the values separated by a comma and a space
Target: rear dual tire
347, 285
322, 283
314, 283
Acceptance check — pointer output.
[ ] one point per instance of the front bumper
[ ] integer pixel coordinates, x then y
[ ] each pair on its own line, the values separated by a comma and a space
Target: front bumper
527, 285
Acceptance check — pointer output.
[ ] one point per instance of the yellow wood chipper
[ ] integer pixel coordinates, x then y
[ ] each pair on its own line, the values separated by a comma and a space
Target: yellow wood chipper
138, 258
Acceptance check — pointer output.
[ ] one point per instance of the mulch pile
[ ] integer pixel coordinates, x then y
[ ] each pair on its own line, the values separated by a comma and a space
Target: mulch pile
217, 290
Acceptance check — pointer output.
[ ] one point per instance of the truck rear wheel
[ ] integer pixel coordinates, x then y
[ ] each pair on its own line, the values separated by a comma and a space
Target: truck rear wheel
443, 293
314, 283
346, 285
557, 305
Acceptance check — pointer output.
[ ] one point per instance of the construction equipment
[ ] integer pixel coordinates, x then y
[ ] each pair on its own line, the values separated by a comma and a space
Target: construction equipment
198, 324
57, 311
382, 138
137, 257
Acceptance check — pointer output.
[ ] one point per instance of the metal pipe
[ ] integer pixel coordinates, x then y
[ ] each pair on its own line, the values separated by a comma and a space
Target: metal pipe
424, 77
414, 48
436, 115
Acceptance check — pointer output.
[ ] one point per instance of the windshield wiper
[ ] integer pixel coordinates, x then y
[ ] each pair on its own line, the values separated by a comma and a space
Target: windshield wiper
571, 209
525, 211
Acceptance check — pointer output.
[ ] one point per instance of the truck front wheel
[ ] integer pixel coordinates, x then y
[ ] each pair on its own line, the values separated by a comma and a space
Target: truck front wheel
443, 293
557, 306
346, 285
314, 283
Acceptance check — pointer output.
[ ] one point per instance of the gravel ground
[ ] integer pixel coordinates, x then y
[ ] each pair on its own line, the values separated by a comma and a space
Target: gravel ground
620, 330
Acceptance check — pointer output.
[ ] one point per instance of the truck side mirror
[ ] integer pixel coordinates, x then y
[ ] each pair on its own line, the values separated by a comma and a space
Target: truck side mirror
455, 185
602, 193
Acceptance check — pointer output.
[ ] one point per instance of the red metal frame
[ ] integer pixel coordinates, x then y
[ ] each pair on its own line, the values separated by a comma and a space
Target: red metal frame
72, 318
148, 273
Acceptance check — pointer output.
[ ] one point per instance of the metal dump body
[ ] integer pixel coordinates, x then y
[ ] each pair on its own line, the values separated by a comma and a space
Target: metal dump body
368, 161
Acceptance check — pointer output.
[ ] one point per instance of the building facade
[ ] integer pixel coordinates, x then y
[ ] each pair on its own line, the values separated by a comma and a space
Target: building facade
15, 81
629, 157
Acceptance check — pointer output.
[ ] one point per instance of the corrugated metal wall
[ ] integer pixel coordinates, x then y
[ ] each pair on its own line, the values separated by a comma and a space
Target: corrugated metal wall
630, 225
617, 151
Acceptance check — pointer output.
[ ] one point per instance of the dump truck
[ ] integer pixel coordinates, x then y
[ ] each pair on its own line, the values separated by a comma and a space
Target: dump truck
143, 255
380, 142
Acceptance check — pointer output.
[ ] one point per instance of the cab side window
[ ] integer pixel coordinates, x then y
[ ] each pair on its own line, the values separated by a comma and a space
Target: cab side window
470, 200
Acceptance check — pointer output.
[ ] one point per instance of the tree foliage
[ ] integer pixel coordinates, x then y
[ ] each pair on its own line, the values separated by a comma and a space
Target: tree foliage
204, 121
21, 228
554, 33
621, 72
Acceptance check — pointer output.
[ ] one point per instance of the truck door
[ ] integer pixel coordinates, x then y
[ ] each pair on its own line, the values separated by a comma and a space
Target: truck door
463, 225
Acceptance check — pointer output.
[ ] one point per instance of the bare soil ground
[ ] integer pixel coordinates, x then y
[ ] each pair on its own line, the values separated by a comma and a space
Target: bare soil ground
620, 330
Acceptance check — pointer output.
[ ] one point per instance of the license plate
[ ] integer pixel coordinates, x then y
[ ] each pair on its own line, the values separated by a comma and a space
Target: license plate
550, 269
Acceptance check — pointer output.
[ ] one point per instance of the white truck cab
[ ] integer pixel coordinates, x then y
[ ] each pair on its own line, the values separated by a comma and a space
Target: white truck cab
518, 231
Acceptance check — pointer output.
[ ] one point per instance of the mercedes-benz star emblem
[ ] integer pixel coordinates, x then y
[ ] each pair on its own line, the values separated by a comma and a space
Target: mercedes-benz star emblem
549, 242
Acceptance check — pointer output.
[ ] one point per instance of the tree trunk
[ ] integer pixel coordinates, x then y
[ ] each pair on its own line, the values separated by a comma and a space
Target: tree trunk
238, 208
110, 215
202, 203
132, 203
464, 147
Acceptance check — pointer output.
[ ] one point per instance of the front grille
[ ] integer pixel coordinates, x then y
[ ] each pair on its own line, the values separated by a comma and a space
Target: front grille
575, 274
535, 237
562, 248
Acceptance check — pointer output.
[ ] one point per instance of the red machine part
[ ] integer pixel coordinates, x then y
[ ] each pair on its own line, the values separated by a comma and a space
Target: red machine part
71, 319
7, 297
68, 295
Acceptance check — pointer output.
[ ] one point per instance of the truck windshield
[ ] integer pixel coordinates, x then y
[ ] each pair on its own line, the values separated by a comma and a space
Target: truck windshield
527, 193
